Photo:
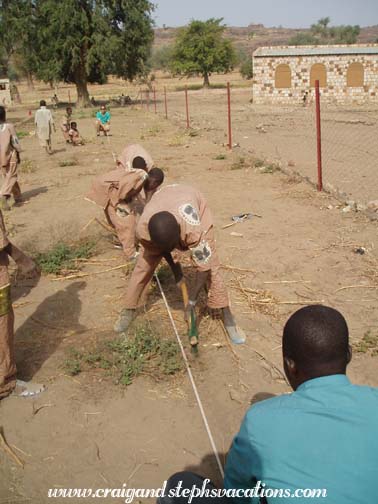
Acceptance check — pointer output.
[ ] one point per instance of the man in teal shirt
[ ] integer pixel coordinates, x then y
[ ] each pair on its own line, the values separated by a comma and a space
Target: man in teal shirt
323, 436
103, 121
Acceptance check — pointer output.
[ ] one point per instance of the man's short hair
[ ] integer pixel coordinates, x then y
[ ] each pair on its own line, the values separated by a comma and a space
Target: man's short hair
42, 103
3, 114
157, 174
316, 337
139, 162
164, 230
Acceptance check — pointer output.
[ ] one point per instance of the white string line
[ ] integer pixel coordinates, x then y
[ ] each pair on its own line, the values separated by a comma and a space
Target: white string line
111, 148
195, 390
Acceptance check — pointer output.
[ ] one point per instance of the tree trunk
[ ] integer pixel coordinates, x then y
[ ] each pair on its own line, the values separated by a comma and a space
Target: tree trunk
29, 80
206, 82
82, 92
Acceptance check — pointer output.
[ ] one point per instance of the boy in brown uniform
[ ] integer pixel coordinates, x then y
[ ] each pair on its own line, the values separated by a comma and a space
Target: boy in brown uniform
130, 153
9, 158
27, 267
116, 192
177, 217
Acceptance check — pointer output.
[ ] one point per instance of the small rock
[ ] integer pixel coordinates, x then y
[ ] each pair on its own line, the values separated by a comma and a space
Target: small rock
361, 207
291, 163
359, 250
346, 209
330, 207
373, 205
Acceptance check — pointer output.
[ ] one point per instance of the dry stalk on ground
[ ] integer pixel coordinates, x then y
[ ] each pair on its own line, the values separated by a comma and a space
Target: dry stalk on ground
261, 301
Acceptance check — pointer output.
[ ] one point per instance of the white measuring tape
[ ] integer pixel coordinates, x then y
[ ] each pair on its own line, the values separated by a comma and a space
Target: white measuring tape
195, 390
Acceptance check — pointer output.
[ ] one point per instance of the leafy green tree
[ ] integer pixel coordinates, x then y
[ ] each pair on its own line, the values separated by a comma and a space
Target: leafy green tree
161, 57
246, 69
82, 41
322, 34
201, 49
8, 34
245, 63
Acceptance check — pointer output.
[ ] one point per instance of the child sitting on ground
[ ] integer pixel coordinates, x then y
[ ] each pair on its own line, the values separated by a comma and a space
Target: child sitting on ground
74, 134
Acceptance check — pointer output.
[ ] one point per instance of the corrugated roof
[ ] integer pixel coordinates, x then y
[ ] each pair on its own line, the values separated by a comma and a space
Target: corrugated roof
264, 52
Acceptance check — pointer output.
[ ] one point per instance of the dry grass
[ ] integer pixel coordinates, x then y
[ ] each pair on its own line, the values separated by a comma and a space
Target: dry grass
261, 301
27, 166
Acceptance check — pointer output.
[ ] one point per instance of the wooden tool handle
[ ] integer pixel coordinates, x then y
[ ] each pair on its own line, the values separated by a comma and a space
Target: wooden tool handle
185, 295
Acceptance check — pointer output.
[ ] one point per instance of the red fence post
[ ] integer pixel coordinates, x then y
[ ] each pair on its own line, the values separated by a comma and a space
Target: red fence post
318, 137
165, 102
69, 97
187, 108
229, 116
155, 99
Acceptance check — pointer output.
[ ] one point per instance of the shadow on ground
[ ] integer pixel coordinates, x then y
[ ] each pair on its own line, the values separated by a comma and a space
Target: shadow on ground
42, 333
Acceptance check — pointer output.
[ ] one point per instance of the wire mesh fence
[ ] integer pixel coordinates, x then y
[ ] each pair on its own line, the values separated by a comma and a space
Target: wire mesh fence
286, 135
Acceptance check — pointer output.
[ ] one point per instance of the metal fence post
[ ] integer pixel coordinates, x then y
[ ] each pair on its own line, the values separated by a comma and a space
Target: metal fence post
165, 102
187, 108
229, 116
318, 137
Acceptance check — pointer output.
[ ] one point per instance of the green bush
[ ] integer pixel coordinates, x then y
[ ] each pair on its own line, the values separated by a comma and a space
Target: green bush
62, 256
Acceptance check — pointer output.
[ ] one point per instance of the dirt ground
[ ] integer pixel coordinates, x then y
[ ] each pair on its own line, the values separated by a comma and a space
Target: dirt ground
93, 433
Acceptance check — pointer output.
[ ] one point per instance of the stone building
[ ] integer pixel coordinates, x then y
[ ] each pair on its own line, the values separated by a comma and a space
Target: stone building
346, 73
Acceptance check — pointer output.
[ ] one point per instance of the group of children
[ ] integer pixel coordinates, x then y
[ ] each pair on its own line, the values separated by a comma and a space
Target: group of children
69, 128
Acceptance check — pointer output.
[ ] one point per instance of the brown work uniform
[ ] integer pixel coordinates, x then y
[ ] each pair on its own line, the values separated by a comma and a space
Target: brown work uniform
7, 360
9, 149
109, 191
190, 209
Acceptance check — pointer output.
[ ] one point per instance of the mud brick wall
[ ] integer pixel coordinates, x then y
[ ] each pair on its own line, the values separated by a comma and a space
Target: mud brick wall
336, 90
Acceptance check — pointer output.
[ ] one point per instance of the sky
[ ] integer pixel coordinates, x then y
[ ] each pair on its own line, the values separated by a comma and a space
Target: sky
287, 13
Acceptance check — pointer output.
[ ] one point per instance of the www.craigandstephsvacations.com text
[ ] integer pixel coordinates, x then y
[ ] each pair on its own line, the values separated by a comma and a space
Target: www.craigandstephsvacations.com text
194, 492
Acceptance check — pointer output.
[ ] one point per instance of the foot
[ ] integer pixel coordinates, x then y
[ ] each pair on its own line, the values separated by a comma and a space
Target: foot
236, 334
124, 320
134, 257
27, 389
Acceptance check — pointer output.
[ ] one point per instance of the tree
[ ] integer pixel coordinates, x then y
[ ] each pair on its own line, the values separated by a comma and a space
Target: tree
322, 34
201, 49
161, 57
245, 63
8, 34
82, 41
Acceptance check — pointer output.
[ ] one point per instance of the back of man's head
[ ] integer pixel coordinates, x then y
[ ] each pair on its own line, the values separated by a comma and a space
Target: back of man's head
139, 162
315, 343
164, 231
157, 175
42, 103
3, 114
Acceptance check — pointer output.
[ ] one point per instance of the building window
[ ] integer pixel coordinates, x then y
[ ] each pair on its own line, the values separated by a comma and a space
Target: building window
318, 72
355, 75
283, 77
